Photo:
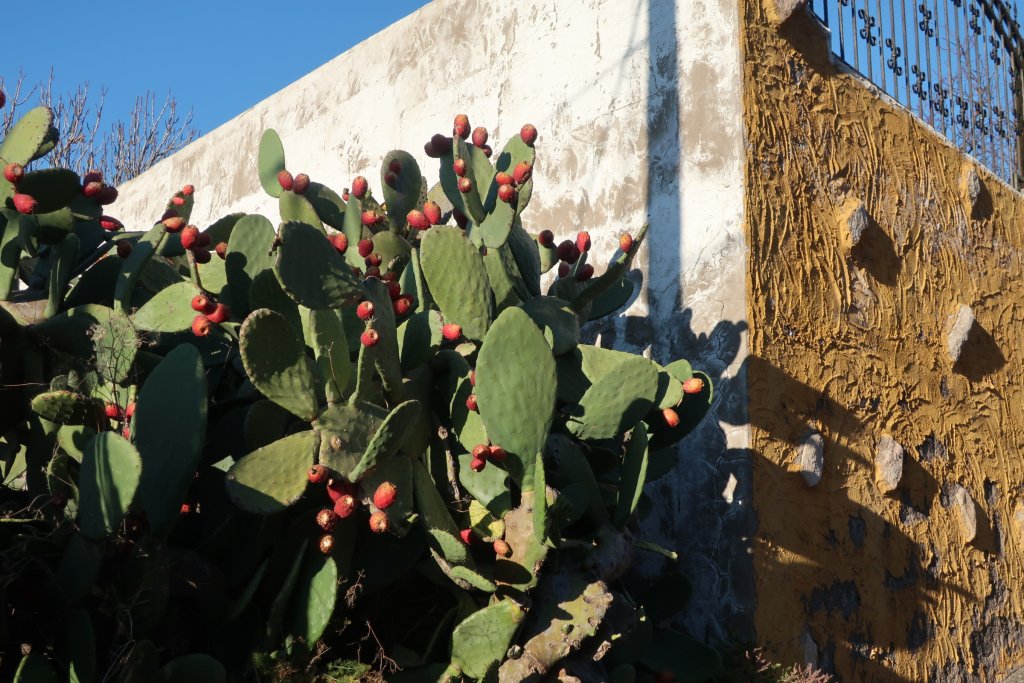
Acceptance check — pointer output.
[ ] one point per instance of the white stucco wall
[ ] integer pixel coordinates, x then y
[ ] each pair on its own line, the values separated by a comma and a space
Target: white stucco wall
640, 116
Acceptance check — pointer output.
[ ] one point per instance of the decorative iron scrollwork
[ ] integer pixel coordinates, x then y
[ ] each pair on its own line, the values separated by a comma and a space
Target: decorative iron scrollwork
919, 87
895, 52
926, 21
994, 52
973, 24
867, 31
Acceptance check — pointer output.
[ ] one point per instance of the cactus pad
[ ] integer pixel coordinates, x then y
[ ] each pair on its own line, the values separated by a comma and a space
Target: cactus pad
170, 310
111, 469
24, 140
481, 640
271, 162
272, 478
457, 278
276, 362
557, 321
605, 411
311, 271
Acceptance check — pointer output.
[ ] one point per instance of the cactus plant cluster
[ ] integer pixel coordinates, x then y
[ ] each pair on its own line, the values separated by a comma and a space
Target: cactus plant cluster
367, 432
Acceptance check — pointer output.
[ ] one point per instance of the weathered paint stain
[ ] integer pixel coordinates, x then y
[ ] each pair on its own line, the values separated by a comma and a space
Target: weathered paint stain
853, 345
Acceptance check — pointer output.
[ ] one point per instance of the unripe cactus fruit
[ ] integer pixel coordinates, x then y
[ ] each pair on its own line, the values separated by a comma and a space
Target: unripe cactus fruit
222, 250
459, 166
14, 173
487, 151
583, 241
285, 179
369, 337
365, 310
124, 248
451, 331
497, 454
359, 187
201, 325
92, 176
188, 190
202, 304
418, 220
466, 535
465, 185
300, 184
502, 549
110, 224
563, 269
394, 289
317, 474
564, 250
506, 193
438, 146
625, 241
173, 223
379, 522
585, 273
326, 519
345, 505
189, 236
340, 242
107, 195
24, 203
433, 212
522, 172
671, 417
385, 494
528, 133
479, 136
326, 544
390, 178
178, 201
402, 305
461, 126
203, 240
221, 314
694, 385
373, 260
365, 247
471, 403
546, 238
112, 410
92, 188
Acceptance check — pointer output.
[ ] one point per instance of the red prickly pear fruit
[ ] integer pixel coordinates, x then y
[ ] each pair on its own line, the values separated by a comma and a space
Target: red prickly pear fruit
129, 410
202, 304
418, 220
471, 403
202, 255
385, 495
178, 201
625, 241
185, 509
188, 190
221, 314
107, 195
394, 289
340, 242
671, 417
472, 378
369, 337
285, 179
390, 179
461, 126
460, 218
481, 451
365, 310
203, 240
365, 247
368, 218
479, 136
189, 236
395, 166
432, 212
465, 185
694, 385
24, 203
124, 248
327, 544
438, 146
402, 305
14, 173
477, 464
583, 241
92, 176
459, 166
336, 488
126, 432
564, 250
222, 250
112, 410
326, 519
506, 193
359, 187
201, 325
345, 505
389, 277
502, 549
373, 260
487, 151
497, 454
528, 133
522, 172
379, 522
451, 331
466, 535
92, 188
110, 224
301, 184
317, 474
585, 273
563, 269
546, 238
173, 223
372, 271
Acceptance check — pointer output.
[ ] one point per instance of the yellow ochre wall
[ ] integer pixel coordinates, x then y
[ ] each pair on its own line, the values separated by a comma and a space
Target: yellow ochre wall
853, 343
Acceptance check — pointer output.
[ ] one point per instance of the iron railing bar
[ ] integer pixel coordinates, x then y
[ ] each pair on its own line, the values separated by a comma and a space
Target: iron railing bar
951, 116
856, 43
906, 50
958, 100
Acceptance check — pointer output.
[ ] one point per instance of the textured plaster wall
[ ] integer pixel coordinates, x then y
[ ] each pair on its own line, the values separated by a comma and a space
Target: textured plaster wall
639, 108
921, 583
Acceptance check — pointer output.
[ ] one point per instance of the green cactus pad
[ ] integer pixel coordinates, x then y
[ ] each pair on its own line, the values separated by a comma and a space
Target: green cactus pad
390, 246
571, 468
109, 477
26, 137
388, 439
346, 432
670, 390
515, 389
633, 475
249, 254
96, 285
486, 525
526, 252
73, 439
481, 640
462, 574
10, 253
276, 362
265, 422
133, 266
81, 645
170, 453
457, 277
353, 229
292, 557
270, 479
405, 195
63, 259
266, 292
313, 597
617, 269
503, 275
429, 502
52, 188
522, 568
612, 299
329, 206
556, 320
79, 566
311, 271
194, 668
605, 410
169, 311
398, 471
330, 347
271, 162
67, 407
489, 486
115, 345
34, 668
296, 208
418, 338
53, 227
385, 352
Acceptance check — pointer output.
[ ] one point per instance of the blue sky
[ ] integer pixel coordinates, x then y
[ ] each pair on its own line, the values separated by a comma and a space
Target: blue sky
217, 57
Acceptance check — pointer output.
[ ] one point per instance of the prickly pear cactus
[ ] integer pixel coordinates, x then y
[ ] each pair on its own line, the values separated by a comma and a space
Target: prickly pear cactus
368, 419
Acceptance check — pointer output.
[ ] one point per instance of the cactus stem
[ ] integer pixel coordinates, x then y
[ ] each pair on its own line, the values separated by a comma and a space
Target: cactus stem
193, 268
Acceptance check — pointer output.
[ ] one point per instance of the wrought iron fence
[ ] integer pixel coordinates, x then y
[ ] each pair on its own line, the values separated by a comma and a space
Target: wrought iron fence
956, 63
